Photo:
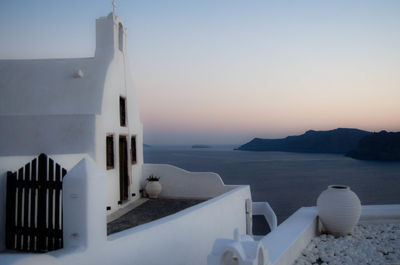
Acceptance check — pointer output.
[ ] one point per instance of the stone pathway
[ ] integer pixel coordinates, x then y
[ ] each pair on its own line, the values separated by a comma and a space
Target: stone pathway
151, 210
369, 244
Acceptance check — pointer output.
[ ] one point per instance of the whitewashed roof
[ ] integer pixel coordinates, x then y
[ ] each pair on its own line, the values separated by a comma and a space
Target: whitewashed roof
51, 86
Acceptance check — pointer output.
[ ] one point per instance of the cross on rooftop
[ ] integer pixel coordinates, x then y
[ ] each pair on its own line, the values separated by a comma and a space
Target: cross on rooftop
114, 6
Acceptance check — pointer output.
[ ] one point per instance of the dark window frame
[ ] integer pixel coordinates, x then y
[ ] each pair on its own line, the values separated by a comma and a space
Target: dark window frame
121, 37
110, 154
133, 150
122, 111
124, 166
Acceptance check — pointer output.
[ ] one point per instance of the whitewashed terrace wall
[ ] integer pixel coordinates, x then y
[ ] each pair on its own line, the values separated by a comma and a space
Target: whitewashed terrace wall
184, 238
285, 243
179, 183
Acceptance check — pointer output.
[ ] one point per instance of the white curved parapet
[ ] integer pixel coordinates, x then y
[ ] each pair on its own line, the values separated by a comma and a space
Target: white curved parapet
242, 250
263, 208
179, 183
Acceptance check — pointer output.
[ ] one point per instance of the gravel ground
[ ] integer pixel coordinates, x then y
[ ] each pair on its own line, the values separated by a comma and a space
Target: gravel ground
149, 211
373, 244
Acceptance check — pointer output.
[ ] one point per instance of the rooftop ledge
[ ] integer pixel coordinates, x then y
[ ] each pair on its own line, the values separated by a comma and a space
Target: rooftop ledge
288, 240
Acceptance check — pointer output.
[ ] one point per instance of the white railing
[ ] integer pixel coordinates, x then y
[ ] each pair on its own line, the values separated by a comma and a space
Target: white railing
263, 208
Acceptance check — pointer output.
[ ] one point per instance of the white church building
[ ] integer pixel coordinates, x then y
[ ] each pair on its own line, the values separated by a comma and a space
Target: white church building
75, 108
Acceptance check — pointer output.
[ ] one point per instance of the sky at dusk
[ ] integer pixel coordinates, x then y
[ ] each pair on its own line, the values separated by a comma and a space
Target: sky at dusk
223, 72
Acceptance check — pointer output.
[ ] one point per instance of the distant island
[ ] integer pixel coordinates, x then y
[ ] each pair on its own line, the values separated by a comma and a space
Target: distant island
340, 141
201, 146
382, 146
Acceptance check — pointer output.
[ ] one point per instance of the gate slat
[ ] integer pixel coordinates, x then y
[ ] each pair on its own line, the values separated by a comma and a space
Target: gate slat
64, 172
57, 217
19, 208
10, 208
42, 178
26, 205
50, 229
33, 236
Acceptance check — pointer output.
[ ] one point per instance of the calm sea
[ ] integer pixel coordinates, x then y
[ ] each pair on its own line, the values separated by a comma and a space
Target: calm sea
287, 181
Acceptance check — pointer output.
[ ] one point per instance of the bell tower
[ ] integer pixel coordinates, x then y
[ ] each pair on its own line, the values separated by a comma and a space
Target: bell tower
110, 35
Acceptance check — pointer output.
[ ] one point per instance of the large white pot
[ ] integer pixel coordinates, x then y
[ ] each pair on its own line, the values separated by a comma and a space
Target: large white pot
339, 209
153, 189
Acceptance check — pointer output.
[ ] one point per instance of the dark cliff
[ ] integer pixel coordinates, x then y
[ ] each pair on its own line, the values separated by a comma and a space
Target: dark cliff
340, 140
383, 146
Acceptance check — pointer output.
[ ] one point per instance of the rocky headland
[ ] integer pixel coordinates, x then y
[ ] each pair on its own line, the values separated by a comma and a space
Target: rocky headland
341, 140
354, 143
382, 146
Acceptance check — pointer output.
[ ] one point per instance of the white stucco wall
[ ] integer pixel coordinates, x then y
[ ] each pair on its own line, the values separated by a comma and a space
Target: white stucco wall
49, 86
186, 237
50, 134
380, 213
179, 183
118, 83
288, 240
285, 243
84, 212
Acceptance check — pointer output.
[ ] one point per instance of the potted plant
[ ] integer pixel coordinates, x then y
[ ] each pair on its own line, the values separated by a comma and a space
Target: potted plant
153, 186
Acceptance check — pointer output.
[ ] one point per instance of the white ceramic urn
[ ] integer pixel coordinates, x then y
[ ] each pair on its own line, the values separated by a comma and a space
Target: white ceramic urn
153, 189
339, 209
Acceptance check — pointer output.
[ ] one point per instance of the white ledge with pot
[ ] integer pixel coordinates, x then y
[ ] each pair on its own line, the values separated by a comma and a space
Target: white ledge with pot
287, 241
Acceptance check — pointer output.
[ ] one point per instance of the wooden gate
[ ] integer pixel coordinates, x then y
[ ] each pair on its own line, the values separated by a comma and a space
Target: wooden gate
34, 206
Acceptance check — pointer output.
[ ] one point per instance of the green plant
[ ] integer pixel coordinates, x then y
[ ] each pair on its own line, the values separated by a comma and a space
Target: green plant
153, 178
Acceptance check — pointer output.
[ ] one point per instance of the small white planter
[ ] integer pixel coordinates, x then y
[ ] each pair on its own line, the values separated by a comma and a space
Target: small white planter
339, 209
153, 189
